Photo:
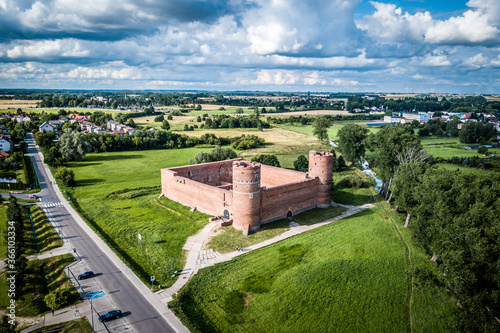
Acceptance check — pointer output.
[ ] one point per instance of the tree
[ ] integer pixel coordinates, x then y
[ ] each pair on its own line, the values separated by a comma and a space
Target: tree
165, 125
159, 119
352, 141
271, 160
198, 107
73, 145
388, 142
216, 154
320, 128
6, 326
301, 164
66, 175
57, 299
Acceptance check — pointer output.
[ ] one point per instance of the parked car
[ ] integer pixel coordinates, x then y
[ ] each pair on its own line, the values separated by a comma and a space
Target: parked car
86, 275
33, 196
110, 315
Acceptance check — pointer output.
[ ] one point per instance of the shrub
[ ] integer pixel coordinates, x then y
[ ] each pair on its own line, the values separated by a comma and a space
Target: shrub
353, 181
66, 175
57, 299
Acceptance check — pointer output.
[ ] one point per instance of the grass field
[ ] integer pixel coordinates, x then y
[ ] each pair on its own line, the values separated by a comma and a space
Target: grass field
332, 132
15, 104
463, 169
81, 325
119, 215
227, 239
348, 276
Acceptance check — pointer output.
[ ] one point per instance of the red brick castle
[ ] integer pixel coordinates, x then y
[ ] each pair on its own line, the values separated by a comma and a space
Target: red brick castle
249, 194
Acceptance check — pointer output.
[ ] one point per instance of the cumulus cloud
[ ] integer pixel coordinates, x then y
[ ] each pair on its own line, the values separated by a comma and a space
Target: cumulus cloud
295, 27
476, 26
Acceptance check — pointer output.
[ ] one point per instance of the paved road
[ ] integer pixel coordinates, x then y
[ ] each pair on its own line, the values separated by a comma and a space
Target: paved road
139, 314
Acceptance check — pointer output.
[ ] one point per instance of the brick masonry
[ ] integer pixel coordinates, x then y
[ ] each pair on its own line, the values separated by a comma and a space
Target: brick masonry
249, 193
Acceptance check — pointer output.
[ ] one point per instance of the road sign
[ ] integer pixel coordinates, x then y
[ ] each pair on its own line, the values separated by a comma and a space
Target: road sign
152, 278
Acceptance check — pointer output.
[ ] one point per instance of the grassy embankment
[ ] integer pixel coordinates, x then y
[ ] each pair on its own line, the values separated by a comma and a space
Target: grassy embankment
33, 304
117, 193
81, 325
46, 235
348, 276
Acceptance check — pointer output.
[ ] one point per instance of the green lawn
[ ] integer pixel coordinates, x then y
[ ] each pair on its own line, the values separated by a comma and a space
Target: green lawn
463, 169
348, 276
81, 325
228, 238
119, 217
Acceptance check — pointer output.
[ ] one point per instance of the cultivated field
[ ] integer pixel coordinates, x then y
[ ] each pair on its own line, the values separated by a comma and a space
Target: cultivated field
310, 113
16, 104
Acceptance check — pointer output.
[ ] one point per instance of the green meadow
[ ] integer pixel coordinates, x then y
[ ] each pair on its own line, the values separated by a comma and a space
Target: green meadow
117, 194
348, 276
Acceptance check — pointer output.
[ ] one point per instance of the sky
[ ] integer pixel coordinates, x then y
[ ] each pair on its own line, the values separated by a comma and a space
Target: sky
406, 46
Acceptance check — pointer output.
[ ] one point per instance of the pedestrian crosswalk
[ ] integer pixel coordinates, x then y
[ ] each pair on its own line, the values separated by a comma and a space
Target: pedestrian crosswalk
49, 204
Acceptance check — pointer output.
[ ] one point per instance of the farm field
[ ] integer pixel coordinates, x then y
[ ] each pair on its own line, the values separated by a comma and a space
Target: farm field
349, 276
56, 110
15, 104
448, 147
462, 169
117, 193
332, 132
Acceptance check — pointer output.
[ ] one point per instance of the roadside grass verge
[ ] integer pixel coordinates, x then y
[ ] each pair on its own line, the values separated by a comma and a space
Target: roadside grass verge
117, 195
32, 303
81, 325
3, 230
46, 235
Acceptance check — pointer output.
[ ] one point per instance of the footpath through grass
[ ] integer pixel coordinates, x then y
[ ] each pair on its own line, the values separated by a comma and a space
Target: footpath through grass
117, 194
348, 276
228, 239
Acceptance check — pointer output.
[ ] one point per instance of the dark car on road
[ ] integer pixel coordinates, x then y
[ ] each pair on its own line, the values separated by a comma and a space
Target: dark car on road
86, 275
110, 315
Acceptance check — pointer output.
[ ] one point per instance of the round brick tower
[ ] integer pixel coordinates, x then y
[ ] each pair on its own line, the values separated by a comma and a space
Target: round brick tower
321, 166
246, 204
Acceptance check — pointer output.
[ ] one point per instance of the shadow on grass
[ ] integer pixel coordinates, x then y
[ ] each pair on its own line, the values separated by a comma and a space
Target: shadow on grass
351, 196
107, 157
88, 182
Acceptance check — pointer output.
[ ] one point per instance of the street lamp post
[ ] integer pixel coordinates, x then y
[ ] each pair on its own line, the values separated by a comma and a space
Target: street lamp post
92, 314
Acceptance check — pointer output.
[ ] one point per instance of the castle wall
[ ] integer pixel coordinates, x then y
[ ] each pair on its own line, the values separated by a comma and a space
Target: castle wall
214, 173
295, 198
206, 198
274, 176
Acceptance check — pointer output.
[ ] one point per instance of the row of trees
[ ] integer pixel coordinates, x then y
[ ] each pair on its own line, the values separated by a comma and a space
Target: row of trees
225, 121
456, 216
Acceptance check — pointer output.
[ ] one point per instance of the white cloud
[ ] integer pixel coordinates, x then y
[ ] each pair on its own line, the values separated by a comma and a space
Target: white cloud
389, 24
478, 25
435, 60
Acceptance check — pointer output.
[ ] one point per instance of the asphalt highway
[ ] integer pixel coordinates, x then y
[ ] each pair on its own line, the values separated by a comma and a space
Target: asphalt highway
139, 314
